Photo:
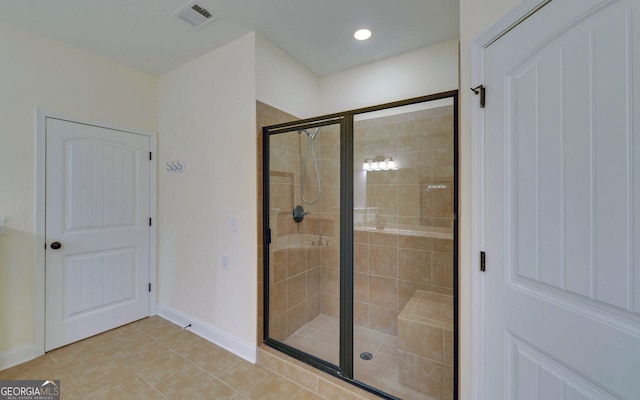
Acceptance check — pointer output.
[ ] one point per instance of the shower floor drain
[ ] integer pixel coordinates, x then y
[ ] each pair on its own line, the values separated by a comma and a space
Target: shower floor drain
366, 356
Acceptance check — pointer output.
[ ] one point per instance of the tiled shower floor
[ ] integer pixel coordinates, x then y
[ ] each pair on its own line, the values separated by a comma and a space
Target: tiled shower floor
320, 337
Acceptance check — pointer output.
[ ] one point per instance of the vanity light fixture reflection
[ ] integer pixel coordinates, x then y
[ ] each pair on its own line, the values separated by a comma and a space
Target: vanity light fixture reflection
380, 163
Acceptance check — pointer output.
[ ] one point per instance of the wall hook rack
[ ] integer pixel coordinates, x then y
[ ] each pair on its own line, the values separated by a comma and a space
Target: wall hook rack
175, 166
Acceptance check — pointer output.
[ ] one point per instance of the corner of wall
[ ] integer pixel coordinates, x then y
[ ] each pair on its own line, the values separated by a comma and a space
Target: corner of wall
284, 83
209, 332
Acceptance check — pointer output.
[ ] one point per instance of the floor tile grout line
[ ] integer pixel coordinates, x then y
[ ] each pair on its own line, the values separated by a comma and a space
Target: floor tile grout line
231, 387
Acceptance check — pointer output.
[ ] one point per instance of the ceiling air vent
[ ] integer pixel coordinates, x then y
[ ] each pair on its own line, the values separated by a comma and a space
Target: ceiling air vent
195, 15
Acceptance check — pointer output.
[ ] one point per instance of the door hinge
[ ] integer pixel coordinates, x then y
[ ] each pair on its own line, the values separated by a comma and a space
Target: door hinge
269, 236
149, 221
149, 287
481, 90
482, 261
150, 156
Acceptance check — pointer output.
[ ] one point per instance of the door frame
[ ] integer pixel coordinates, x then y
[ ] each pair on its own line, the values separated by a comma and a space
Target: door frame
478, 281
40, 205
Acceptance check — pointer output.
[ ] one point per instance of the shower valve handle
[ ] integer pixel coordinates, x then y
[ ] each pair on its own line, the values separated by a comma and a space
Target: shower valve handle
299, 213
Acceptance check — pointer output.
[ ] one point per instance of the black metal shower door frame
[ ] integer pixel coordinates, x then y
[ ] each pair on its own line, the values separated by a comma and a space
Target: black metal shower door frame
345, 371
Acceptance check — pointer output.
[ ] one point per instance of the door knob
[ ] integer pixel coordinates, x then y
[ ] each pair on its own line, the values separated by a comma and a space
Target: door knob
56, 245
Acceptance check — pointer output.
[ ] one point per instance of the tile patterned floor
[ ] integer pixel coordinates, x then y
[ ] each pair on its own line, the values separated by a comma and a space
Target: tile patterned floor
155, 359
320, 337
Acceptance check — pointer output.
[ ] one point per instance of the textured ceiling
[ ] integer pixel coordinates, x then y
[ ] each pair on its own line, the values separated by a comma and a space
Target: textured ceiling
316, 33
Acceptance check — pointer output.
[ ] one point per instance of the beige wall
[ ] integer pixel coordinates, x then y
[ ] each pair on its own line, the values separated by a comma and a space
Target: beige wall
428, 70
36, 72
475, 18
284, 83
207, 120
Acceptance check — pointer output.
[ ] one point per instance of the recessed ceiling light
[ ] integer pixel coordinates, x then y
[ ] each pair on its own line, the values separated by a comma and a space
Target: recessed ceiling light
362, 34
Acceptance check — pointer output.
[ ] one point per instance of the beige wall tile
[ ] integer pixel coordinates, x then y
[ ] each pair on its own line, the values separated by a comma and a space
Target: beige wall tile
361, 236
406, 290
330, 254
278, 266
278, 298
414, 242
442, 269
312, 307
361, 314
409, 200
383, 320
295, 290
442, 165
448, 347
382, 177
330, 305
383, 261
385, 197
296, 262
441, 202
330, 390
383, 292
361, 257
448, 383
421, 339
444, 245
296, 317
330, 280
383, 238
421, 374
312, 255
313, 281
361, 287
271, 359
414, 265
302, 377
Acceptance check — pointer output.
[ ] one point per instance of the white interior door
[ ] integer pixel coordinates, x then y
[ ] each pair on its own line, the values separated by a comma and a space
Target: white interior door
562, 204
97, 210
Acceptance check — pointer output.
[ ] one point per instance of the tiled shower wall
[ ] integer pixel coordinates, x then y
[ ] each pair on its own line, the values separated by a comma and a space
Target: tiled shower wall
389, 267
420, 193
265, 116
414, 207
301, 251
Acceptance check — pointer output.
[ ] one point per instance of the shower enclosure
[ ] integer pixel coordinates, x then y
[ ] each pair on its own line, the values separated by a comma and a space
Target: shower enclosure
360, 245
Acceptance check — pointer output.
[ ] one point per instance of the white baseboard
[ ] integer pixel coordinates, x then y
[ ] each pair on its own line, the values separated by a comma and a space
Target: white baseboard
214, 335
19, 356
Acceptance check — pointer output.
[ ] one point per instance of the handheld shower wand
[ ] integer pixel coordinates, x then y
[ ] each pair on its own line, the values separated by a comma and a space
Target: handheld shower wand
310, 141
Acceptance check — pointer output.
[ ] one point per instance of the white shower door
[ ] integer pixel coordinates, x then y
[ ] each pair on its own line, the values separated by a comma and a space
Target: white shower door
562, 204
97, 230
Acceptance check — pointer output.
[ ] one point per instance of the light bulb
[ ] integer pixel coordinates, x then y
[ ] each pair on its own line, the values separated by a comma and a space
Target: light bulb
366, 166
391, 164
362, 34
375, 166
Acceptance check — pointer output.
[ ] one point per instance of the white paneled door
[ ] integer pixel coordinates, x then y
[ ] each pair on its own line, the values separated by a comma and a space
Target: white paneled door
97, 230
562, 204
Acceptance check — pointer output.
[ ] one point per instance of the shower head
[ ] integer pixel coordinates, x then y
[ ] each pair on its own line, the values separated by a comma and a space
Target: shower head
310, 136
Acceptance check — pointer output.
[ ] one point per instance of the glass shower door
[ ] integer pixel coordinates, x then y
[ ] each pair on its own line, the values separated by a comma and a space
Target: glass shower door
360, 255
404, 269
304, 253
